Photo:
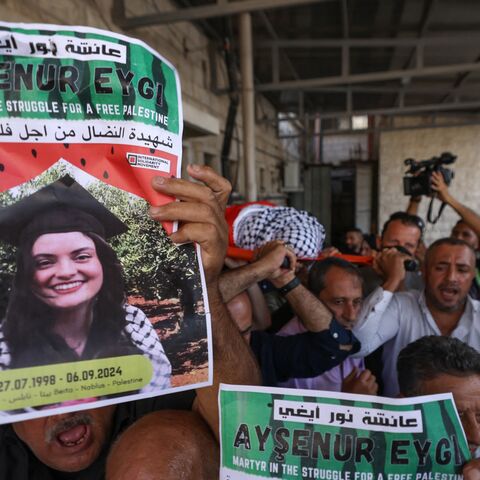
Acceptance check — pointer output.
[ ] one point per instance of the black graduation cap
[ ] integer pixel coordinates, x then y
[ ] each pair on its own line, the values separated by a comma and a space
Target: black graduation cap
62, 206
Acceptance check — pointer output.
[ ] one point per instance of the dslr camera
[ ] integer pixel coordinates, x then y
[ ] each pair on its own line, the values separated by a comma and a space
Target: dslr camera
419, 175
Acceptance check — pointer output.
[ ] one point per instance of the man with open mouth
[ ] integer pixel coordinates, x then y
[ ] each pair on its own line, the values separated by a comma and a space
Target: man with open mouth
442, 308
69, 442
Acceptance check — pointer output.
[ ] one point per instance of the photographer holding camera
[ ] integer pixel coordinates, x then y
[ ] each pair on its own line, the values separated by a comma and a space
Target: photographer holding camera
466, 229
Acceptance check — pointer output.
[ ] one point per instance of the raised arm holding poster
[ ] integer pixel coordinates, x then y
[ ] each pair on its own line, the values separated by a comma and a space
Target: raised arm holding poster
97, 305
281, 433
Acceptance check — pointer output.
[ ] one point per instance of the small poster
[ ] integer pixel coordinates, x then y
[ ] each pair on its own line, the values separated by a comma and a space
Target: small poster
97, 305
290, 434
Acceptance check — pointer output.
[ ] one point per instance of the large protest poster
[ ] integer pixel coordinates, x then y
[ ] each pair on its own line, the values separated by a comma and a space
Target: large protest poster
290, 434
97, 305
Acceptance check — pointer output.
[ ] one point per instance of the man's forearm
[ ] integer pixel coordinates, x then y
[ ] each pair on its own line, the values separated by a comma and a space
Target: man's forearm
233, 360
413, 204
235, 281
314, 315
376, 322
392, 284
467, 214
261, 314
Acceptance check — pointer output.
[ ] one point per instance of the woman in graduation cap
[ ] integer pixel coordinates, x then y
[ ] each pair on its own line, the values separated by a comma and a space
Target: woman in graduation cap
67, 301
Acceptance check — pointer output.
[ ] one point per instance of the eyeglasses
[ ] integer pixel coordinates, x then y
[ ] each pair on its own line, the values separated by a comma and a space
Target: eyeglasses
408, 218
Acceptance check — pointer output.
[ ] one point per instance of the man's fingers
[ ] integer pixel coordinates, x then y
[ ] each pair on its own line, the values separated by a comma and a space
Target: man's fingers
352, 374
373, 388
471, 470
188, 212
392, 252
292, 258
218, 184
200, 213
198, 222
187, 192
197, 232
365, 376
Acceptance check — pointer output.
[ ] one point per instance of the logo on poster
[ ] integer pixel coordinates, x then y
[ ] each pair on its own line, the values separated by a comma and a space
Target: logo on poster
147, 161
132, 159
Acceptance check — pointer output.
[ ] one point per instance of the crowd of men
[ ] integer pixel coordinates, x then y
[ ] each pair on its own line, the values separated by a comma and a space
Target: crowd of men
407, 324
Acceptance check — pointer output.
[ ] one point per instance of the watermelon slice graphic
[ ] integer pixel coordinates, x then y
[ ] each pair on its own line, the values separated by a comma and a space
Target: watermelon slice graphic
20, 163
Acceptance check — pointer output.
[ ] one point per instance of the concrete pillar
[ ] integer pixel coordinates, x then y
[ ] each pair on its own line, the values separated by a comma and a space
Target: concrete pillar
248, 105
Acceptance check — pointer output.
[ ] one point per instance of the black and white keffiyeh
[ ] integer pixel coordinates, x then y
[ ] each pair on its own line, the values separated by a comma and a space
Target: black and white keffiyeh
261, 224
141, 332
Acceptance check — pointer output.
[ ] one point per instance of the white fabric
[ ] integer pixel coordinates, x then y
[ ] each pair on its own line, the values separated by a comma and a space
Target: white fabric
5, 356
395, 320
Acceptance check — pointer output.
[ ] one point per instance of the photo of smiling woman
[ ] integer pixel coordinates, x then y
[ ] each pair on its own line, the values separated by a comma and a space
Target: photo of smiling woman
67, 301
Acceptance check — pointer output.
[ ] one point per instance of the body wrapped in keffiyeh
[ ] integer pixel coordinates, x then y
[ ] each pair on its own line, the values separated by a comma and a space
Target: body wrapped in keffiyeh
257, 224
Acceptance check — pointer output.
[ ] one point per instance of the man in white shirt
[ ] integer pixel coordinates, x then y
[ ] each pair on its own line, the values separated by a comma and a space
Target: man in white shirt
442, 308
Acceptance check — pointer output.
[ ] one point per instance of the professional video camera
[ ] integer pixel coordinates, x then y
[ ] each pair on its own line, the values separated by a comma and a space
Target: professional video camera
419, 183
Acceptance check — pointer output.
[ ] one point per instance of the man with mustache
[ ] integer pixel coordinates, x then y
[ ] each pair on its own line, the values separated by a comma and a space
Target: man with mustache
168, 441
442, 308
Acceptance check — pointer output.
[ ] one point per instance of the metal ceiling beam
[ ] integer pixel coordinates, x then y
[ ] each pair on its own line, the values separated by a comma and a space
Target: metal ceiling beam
457, 85
345, 19
367, 77
432, 107
454, 40
433, 89
275, 67
346, 35
336, 131
418, 51
200, 13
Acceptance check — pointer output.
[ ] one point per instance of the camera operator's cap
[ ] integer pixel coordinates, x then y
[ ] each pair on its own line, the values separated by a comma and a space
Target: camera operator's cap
61, 207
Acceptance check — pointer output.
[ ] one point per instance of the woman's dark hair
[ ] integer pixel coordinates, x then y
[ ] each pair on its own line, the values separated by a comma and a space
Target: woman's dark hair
29, 321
